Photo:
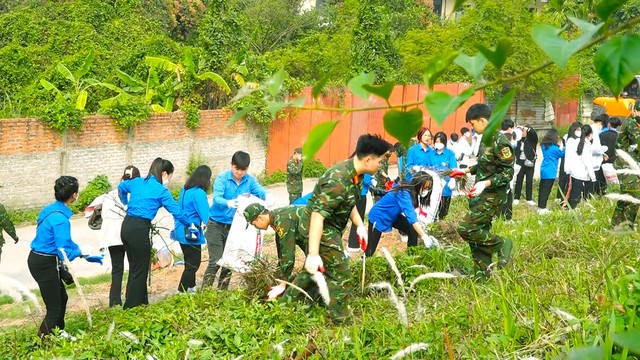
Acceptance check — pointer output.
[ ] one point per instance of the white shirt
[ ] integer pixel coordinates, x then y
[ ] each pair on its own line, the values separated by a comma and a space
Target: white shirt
579, 166
465, 150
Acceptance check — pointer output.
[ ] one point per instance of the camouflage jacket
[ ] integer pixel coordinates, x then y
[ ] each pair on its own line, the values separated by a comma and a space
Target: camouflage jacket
294, 176
285, 222
6, 225
335, 195
495, 163
628, 139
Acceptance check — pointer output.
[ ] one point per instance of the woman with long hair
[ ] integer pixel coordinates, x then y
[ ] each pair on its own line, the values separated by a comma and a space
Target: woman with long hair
53, 235
563, 179
397, 209
579, 166
194, 205
525, 153
552, 151
113, 213
144, 197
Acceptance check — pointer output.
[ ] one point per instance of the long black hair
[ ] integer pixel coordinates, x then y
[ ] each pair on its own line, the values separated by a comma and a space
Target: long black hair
414, 186
550, 138
572, 129
201, 178
586, 131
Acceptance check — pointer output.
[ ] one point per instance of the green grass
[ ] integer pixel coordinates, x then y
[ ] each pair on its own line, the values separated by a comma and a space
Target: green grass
5, 299
566, 260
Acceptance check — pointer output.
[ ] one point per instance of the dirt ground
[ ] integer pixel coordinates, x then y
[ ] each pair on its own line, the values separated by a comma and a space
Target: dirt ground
164, 282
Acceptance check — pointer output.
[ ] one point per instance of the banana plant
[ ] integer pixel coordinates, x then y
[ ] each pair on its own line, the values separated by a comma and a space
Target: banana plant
160, 96
80, 85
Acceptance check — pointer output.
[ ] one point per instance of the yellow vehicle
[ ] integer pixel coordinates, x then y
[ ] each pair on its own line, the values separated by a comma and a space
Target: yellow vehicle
620, 107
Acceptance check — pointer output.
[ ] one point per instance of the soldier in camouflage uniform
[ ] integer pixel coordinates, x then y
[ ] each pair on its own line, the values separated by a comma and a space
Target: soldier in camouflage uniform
294, 175
493, 172
628, 140
285, 222
6, 225
331, 206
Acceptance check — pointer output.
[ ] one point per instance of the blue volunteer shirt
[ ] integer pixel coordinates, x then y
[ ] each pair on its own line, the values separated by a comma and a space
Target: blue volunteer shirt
418, 156
445, 161
54, 232
194, 205
302, 200
225, 188
146, 196
392, 205
549, 166
366, 184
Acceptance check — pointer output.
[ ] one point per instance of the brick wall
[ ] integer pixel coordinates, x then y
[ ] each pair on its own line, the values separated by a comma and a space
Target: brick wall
32, 155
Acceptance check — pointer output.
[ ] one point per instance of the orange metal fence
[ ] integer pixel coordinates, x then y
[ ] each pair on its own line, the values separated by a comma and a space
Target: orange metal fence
290, 132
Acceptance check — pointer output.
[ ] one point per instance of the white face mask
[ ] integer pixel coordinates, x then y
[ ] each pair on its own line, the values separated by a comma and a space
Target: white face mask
578, 133
439, 146
424, 192
165, 183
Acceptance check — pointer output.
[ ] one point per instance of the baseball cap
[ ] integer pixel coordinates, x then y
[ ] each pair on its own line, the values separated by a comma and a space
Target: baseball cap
252, 211
297, 150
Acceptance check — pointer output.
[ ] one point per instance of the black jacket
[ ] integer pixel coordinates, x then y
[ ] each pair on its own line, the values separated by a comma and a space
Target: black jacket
530, 145
609, 139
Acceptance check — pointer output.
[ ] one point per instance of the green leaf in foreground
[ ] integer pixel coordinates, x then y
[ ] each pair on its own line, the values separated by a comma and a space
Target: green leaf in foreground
275, 83
550, 40
317, 88
403, 125
498, 113
617, 61
499, 55
629, 339
473, 65
355, 85
437, 66
383, 91
317, 137
607, 7
440, 104
238, 115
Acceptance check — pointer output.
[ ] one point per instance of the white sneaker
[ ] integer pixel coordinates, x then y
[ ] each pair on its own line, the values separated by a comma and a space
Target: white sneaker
404, 238
191, 290
65, 335
516, 202
543, 211
531, 202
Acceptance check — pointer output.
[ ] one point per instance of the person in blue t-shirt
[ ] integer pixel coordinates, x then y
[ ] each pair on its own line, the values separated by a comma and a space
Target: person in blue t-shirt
443, 159
418, 155
552, 152
194, 205
397, 209
53, 236
143, 198
226, 189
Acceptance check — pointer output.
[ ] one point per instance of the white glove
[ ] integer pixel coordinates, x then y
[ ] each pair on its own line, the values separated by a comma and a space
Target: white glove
428, 242
363, 237
232, 204
269, 200
452, 183
374, 182
478, 188
313, 263
275, 291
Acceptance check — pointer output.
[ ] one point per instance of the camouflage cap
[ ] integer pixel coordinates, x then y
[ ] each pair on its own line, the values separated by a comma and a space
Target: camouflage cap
297, 150
252, 211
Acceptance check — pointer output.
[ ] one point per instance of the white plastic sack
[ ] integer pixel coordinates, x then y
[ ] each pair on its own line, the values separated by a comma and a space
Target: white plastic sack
610, 174
427, 215
244, 242
165, 247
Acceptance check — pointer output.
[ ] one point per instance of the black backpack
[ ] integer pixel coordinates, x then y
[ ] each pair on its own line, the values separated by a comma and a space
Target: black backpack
95, 220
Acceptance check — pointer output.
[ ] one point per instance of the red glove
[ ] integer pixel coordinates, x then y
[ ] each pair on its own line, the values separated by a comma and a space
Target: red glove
388, 185
457, 173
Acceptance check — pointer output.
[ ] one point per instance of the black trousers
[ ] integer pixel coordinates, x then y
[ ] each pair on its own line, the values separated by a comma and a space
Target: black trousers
135, 237
192, 258
44, 269
563, 180
600, 186
401, 224
443, 209
578, 189
216, 235
361, 206
527, 172
546, 185
117, 254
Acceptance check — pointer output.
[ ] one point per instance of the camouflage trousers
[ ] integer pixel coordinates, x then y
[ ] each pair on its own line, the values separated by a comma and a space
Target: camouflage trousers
626, 212
294, 196
475, 229
336, 273
287, 255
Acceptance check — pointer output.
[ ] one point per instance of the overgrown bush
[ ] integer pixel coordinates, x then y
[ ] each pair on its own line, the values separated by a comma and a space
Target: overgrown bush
20, 216
96, 187
128, 113
275, 177
62, 114
195, 160
313, 169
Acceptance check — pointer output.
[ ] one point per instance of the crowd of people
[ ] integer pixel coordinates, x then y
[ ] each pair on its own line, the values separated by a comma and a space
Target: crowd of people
429, 172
